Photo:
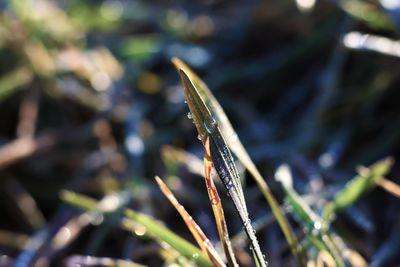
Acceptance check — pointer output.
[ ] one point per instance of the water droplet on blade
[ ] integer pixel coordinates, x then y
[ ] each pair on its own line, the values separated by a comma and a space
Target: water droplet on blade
190, 116
210, 124
317, 225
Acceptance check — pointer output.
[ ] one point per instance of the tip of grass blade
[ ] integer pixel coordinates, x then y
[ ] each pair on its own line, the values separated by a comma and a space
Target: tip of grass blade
284, 176
177, 63
201, 115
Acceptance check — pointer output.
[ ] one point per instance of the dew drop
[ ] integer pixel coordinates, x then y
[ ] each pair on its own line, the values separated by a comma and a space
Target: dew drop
317, 225
247, 223
190, 116
210, 125
140, 230
199, 137
185, 101
195, 255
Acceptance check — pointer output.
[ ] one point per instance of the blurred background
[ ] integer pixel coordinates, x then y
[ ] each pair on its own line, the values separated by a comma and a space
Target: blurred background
90, 102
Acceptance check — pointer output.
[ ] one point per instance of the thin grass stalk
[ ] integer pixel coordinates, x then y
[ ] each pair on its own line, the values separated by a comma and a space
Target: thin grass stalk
198, 234
389, 186
218, 211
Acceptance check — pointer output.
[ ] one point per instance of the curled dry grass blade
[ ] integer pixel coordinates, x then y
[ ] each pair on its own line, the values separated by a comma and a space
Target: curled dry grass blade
149, 227
218, 210
198, 234
207, 127
238, 149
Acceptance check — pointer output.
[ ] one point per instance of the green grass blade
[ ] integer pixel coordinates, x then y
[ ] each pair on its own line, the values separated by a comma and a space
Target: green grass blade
256, 260
79, 201
14, 80
161, 233
316, 228
221, 156
153, 229
356, 187
367, 13
238, 149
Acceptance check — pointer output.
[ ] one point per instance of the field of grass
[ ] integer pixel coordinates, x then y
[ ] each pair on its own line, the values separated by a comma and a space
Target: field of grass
199, 133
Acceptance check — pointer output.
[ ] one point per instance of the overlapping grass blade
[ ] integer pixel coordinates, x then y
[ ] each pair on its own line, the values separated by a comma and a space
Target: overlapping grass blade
152, 228
198, 234
389, 186
238, 149
316, 228
357, 186
221, 156
218, 210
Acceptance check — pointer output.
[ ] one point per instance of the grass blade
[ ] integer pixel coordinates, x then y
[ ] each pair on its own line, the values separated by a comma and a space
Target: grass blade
211, 105
161, 233
221, 156
356, 187
198, 234
14, 80
218, 210
238, 149
389, 186
314, 225
13, 240
84, 260
152, 228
